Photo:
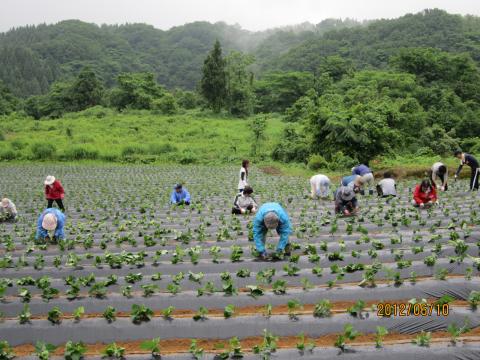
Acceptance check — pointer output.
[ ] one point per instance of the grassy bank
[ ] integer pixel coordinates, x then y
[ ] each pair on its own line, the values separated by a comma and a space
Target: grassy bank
101, 135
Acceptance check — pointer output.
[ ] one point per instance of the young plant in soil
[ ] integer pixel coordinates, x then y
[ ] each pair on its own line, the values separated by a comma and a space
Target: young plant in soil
113, 351
153, 346
201, 314
267, 310
379, 335
474, 299
55, 316
279, 287
265, 276
25, 315
229, 311
195, 350
149, 289
423, 339
349, 333
455, 331
294, 306
356, 309
110, 314
243, 273
78, 313
236, 253
215, 253
322, 308
6, 352
44, 350
255, 291
268, 345
302, 346
167, 313
74, 350
141, 313
291, 269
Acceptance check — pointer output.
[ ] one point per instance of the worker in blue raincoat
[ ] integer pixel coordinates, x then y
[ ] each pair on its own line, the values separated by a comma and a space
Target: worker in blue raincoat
51, 220
180, 195
271, 216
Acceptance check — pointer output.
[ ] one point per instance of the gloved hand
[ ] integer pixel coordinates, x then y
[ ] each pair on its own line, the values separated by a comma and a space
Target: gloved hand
422, 205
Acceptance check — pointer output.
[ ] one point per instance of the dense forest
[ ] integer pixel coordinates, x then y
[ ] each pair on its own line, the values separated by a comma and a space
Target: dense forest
347, 91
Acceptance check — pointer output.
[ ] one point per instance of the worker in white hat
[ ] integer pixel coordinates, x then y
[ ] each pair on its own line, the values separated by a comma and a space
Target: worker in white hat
8, 210
50, 225
54, 192
271, 216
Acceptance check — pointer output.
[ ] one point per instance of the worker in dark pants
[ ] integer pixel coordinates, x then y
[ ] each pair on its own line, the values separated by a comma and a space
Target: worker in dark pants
468, 159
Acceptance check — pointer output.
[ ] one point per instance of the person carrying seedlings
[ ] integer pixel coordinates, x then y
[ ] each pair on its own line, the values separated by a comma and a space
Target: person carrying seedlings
54, 192
439, 171
387, 188
425, 194
8, 210
242, 182
271, 216
366, 176
244, 202
345, 200
50, 225
320, 186
180, 195
470, 160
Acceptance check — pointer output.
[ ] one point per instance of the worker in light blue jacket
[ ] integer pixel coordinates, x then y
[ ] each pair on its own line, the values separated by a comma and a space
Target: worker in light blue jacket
180, 195
271, 216
51, 220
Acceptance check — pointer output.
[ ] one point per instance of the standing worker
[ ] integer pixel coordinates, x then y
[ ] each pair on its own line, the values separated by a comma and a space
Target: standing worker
50, 221
320, 186
271, 216
8, 210
468, 159
180, 195
242, 181
54, 192
366, 175
439, 171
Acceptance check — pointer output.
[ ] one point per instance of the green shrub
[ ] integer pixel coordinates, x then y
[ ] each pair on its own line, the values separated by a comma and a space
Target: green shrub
80, 153
166, 105
316, 162
42, 151
130, 150
9, 155
17, 145
160, 149
341, 161
187, 157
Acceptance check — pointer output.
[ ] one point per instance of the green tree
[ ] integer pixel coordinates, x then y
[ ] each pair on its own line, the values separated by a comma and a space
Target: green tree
214, 80
86, 90
240, 93
258, 127
136, 91
8, 102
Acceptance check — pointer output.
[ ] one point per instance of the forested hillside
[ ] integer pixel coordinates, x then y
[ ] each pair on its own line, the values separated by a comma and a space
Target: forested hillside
32, 58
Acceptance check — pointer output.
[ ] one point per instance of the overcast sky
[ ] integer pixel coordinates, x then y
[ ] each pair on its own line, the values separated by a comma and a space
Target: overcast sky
250, 14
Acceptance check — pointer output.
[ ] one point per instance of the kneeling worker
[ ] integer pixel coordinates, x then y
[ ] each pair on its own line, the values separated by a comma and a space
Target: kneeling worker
345, 200
180, 195
387, 188
271, 216
244, 202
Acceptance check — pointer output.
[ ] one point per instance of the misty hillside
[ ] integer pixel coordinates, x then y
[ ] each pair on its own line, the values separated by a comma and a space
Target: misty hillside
32, 58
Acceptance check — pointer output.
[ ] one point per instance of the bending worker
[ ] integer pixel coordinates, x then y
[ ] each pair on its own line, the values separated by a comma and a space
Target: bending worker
366, 176
439, 171
271, 216
467, 159
52, 221
320, 186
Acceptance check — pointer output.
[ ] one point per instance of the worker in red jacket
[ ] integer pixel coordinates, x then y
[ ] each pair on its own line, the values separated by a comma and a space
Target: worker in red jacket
54, 192
425, 194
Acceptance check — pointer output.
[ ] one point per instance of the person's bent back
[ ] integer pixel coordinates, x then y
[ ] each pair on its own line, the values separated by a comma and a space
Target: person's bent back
51, 220
271, 216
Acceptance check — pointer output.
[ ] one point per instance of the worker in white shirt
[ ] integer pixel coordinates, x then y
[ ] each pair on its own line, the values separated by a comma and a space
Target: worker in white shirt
387, 188
242, 181
8, 210
320, 186
439, 171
